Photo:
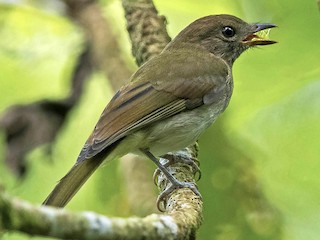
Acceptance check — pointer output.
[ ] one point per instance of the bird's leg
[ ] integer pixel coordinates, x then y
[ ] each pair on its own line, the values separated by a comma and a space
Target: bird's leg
175, 184
172, 159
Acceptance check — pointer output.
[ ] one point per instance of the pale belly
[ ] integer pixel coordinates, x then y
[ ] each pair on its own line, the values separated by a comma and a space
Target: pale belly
173, 133
180, 131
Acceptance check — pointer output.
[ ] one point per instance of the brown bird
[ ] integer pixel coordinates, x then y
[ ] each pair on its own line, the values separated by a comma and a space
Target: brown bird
168, 102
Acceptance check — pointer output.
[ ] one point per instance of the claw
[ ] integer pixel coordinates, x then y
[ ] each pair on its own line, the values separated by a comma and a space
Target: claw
171, 159
155, 176
193, 162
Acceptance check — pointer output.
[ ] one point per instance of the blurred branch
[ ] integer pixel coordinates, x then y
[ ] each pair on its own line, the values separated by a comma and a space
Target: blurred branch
104, 47
29, 126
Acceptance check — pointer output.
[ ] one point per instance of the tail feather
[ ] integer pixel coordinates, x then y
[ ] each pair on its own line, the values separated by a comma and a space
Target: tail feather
69, 185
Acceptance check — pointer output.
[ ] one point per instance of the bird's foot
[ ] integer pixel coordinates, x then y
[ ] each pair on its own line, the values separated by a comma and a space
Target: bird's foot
172, 159
174, 183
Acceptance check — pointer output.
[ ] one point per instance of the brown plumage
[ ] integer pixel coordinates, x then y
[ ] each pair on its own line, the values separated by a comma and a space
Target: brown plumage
169, 101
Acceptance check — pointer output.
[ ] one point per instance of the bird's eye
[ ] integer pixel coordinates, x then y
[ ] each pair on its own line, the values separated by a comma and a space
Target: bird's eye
228, 32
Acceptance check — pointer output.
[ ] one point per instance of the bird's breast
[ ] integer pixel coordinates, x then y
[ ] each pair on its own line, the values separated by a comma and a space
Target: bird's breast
181, 130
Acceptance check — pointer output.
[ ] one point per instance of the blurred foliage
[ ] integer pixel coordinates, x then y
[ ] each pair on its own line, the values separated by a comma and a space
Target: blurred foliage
33, 46
271, 127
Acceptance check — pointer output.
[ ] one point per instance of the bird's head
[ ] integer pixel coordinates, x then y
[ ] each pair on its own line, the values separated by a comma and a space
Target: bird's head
225, 36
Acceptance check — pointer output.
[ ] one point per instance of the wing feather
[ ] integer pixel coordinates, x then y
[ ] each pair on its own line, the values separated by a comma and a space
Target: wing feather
172, 87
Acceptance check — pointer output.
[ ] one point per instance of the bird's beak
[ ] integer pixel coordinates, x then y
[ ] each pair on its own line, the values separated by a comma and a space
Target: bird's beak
259, 35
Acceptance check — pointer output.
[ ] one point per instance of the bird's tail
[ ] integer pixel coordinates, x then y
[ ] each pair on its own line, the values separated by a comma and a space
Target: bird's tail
69, 185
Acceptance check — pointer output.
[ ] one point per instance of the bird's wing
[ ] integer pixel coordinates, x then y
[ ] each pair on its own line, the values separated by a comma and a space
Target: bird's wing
149, 97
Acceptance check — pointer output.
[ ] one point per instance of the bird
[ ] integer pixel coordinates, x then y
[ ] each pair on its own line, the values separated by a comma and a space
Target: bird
168, 102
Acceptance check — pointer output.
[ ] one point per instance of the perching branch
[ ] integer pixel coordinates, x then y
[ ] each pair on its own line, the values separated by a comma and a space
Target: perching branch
147, 30
18, 215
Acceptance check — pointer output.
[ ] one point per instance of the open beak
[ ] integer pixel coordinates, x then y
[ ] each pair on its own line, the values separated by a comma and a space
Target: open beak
259, 35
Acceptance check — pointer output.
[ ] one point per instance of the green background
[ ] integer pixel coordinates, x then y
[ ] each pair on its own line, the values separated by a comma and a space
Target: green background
271, 128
